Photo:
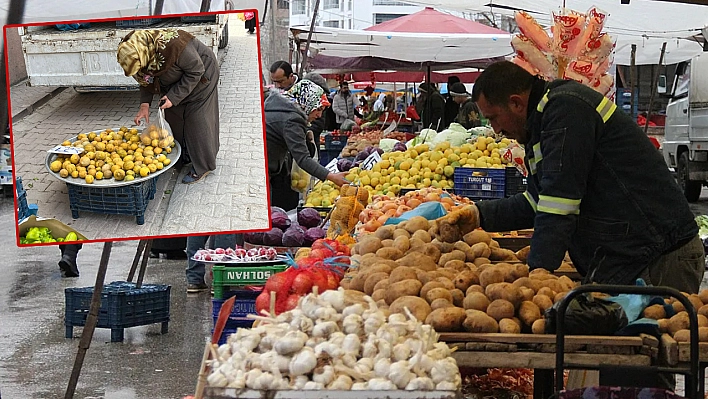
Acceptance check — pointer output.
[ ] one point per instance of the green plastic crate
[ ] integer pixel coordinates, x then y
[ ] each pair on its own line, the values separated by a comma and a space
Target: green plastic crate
242, 276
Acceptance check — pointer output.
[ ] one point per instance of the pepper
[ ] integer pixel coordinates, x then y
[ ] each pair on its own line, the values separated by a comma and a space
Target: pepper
60, 239
33, 234
71, 237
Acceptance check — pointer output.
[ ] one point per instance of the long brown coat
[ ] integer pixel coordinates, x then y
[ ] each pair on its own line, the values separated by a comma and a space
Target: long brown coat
191, 85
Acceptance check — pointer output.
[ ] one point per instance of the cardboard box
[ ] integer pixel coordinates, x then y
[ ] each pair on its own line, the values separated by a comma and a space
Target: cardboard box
57, 228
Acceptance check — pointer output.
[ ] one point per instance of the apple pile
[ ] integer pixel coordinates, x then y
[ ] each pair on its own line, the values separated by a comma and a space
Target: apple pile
237, 254
322, 267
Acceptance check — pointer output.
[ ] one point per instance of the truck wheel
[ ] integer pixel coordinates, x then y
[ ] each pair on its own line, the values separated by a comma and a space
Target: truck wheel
224, 40
691, 188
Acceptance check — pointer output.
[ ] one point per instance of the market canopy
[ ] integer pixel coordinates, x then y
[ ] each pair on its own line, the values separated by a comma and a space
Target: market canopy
646, 23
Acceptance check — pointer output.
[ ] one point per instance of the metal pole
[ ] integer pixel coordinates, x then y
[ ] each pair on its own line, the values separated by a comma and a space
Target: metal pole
632, 80
428, 101
136, 260
158, 7
206, 5
653, 88
91, 320
309, 37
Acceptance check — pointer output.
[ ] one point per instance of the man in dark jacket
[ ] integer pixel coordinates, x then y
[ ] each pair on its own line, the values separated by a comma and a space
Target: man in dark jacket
432, 115
468, 114
452, 108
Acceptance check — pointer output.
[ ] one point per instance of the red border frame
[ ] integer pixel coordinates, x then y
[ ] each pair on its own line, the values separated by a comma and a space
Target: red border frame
12, 141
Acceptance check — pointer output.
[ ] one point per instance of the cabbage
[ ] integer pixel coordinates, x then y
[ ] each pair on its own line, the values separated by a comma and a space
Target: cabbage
254, 238
309, 217
293, 237
455, 137
314, 234
343, 165
456, 127
482, 131
279, 218
425, 136
399, 147
273, 237
387, 144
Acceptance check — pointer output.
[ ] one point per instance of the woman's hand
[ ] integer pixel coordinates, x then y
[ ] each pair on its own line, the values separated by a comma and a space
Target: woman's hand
338, 178
143, 113
167, 103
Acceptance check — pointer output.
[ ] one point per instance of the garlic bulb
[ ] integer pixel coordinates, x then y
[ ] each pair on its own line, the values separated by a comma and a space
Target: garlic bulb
329, 348
373, 322
400, 374
401, 352
366, 362
369, 349
420, 384
309, 305
440, 351
324, 329
444, 370
326, 314
264, 381
382, 367
252, 378
299, 382
396, 318
349, 360
323, 375
217, 380
238, 381
387, 333
360, 386
303, 362
351, 344
385, 349
224, 351
446, 386
334, 298
342, 383
337, 338
302, 323
381, 384
352, 323
313, 386
292, 342
357, 309
314, 341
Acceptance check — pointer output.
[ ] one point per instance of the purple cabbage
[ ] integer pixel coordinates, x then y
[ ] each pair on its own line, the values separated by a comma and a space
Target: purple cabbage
293, 237
279, 218
400, 147
344, 165
254, 238
309, 217
274, 237
361, 156
379, 150
313, 235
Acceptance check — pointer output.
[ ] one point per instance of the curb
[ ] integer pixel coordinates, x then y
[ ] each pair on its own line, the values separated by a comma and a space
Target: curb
30, 109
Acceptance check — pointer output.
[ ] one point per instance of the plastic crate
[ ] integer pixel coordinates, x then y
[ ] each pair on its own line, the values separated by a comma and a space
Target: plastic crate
198, 18
135, 23
124, 200
122, 306
241, 276
244, 305
24, 210
515, 182
238, 323
328, 155
335, 142
480, 183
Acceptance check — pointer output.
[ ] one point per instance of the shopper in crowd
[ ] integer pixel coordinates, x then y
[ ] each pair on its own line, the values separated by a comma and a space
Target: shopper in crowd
433, 114
287, 115
344, 104
468, 114
316, 127
250, 22
67, 264
452, 108
282, 76
185, 73
597, 188
196, 270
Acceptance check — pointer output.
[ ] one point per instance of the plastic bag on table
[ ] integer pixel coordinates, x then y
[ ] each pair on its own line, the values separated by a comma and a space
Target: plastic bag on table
514, 155
158, 135
588, 315
299, 179
429, 210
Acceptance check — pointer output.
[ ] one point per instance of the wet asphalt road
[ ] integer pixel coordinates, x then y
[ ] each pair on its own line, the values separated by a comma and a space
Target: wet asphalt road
35, 358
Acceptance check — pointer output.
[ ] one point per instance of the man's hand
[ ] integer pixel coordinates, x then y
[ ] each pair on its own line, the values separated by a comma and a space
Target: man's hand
453, 226
143, 113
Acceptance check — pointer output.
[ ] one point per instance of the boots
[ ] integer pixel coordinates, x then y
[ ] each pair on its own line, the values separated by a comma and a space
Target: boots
67, 264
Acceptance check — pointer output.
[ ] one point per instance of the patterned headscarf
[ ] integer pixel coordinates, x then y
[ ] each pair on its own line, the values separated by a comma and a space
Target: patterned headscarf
307, 95
147, 54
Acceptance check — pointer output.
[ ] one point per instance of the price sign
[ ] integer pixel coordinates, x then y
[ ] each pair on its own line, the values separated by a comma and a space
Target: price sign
486, 187
370, 161
332, 166
66, 150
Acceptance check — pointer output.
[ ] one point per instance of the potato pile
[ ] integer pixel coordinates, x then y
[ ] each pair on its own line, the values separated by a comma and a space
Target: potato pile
354, 147
678, 324
453, 287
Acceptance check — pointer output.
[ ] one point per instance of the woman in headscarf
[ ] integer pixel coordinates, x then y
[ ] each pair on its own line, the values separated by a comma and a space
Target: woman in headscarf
287, 116
185, 73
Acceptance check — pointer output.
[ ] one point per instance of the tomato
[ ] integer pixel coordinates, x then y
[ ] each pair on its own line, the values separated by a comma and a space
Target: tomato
321, 253
302, 284
332, 281
263, 302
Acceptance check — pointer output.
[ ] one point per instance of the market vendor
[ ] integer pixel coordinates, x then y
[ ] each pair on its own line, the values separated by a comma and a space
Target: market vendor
433, 115
468, 114
287, 115
596, 188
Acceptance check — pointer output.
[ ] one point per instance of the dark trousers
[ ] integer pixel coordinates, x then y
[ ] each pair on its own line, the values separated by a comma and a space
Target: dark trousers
281, 193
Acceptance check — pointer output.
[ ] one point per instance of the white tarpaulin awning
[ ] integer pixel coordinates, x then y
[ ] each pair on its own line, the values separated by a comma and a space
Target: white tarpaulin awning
404, 46
646, 23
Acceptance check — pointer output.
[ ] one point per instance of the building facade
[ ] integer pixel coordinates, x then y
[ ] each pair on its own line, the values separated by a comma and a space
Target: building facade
349, 14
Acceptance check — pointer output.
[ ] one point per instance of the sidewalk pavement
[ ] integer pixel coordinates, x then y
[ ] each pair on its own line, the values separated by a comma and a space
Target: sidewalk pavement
233, 197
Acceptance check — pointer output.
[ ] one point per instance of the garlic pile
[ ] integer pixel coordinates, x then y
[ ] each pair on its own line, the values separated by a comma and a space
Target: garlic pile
338, 340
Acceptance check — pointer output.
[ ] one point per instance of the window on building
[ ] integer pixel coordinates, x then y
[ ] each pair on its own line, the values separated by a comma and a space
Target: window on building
329, 4
297, 7
391, 3
330, 24
283, 4
379, 18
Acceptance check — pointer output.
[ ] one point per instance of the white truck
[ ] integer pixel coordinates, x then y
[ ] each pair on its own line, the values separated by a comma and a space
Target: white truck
86, 58
686, 131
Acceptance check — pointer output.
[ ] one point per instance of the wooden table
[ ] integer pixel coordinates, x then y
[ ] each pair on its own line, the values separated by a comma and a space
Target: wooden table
678, 354
538, 352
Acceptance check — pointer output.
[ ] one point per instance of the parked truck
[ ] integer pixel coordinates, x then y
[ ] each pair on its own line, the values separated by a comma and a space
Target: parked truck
686, 131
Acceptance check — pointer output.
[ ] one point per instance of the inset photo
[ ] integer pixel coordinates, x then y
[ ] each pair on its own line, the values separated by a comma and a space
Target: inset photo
134, 128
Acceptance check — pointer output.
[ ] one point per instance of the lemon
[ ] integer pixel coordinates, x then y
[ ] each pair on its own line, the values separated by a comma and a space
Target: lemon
99, 175
129, 177
75, 174
55, 166
166, 161
89, 179
144, 171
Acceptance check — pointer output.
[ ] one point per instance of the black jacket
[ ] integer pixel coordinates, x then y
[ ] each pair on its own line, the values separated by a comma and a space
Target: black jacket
435, 119
451, 110
597, 187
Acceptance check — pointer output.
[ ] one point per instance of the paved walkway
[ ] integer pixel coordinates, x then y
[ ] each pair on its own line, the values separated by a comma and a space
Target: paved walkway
231, 198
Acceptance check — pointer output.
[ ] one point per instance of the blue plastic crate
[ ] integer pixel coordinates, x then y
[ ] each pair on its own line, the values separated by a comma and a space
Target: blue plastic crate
335, 142
326, 156
122, 306
134, 23
515, 182
124, 200
480, 183
228, 330
244, 305
24, 210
